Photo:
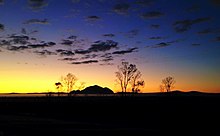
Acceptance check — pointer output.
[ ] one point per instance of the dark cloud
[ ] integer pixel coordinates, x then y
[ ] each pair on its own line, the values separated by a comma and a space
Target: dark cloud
99, 46
103, 46
69, 59
67, 42
17, 48
108, 35
72, 37
19, 39
82, 51
65, 52
196, 44
85, 62
155, 26
161, 45
37, 21
184, 25
2, 27
42, 45
152, 15
121, 8
156, 38
107, 57
144, 3
125, 51
45, 52
92, 18
37, 5
88, 56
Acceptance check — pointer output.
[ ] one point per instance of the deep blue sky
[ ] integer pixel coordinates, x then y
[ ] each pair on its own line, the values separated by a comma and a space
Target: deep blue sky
162, 37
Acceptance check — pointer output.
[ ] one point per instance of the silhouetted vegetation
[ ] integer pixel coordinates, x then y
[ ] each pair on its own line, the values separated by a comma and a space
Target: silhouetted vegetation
128, 73
69, 81
167, 84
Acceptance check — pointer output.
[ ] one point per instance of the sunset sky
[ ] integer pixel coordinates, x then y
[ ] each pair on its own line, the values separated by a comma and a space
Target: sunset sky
42, 40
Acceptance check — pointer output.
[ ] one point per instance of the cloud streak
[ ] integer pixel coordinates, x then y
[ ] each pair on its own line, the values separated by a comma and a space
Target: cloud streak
125, 51
151, 15
37, 21
185, 25
85, 62
37, 5
121, 9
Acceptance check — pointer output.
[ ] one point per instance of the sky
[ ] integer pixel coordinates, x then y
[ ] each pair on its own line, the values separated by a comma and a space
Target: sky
42, 40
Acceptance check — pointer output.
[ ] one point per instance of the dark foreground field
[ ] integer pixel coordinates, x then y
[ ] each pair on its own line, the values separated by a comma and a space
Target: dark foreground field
110, 115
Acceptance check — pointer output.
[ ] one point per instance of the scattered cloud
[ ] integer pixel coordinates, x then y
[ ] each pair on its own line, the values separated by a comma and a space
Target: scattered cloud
99, 46
69, 59
156, 38
65, 52
67, 42
88, 56
18, 39
92, 18
37, 5
45, 52
151, 15
107, 57
72, 37
125, 51
37, 21
121, 8
85, 62
108, 35
184, 25
2, 27
16, 48
156, 26
42, 45
161, 45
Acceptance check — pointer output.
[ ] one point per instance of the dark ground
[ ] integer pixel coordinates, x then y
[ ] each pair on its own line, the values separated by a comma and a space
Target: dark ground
108, 116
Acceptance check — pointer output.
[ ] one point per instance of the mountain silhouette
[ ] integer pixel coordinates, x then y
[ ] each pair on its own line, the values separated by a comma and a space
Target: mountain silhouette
94, 90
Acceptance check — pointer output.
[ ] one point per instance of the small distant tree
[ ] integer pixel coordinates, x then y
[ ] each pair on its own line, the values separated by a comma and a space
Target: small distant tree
69, 81
59, 87
167, 84
136, 82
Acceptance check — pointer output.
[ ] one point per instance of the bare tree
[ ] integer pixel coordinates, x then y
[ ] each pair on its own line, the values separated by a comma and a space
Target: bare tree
81, 86
167, 84
136, 82
69, 81
124, 74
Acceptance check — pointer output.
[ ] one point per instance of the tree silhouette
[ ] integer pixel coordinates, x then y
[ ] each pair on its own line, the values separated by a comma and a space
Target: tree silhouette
124, 74
136, 82
167, 84
69, 81
59, 87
